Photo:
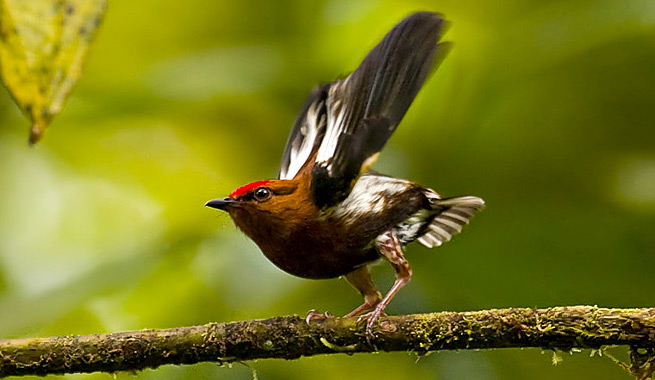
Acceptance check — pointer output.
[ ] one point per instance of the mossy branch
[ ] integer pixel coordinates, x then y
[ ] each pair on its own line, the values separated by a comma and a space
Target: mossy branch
291, 337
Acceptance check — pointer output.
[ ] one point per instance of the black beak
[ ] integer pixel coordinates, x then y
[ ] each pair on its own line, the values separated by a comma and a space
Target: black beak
221, 204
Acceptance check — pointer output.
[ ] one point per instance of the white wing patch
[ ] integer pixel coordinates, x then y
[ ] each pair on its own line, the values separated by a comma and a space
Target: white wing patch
369, 196
336, 123
309, 131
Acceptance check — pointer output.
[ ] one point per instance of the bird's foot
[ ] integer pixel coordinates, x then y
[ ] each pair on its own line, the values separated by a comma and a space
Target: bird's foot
358, 312
314, 315
371, 319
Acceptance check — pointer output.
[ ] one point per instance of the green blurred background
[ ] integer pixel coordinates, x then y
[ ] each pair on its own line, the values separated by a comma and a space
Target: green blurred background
544, 109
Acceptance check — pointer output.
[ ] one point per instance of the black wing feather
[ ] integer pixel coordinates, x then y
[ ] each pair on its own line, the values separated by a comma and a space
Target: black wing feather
306, 134
364, 109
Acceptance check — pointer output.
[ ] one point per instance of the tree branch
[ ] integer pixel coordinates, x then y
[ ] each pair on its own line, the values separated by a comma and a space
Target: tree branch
291, 337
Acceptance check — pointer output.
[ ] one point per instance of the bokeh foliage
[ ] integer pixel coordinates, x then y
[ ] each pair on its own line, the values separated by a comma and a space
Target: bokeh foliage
544, 109
43, 45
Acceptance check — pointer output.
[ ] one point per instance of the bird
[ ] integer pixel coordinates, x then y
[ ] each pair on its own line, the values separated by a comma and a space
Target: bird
328, 214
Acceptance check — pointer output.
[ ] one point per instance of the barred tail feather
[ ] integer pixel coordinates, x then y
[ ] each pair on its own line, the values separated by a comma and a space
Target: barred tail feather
453, 214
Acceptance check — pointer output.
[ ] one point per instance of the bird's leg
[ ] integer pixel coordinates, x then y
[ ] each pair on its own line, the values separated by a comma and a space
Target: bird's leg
361, 280
391, 250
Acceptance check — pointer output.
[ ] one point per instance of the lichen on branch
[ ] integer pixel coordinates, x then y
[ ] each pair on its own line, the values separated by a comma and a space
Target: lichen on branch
291, 337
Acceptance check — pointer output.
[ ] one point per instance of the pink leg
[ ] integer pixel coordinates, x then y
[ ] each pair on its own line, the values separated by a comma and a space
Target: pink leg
390, 249
361, 280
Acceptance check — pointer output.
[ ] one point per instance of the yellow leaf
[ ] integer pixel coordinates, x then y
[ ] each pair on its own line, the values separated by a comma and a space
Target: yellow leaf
43, 45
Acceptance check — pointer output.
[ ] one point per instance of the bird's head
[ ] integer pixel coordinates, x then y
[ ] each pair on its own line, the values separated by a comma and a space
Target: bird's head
268, 207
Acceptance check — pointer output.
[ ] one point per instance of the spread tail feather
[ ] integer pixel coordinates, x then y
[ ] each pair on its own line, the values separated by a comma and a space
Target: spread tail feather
452, 215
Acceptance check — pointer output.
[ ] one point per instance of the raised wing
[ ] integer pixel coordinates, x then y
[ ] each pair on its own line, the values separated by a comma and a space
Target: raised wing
344, 124
364, 109
307, 133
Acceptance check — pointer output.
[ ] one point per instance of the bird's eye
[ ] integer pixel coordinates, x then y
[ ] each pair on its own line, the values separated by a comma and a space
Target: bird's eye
262, 194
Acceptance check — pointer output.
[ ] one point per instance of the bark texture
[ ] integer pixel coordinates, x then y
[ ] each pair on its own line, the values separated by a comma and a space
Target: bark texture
291, 337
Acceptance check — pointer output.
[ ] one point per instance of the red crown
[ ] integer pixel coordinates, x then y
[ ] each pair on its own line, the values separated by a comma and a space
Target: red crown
245, 189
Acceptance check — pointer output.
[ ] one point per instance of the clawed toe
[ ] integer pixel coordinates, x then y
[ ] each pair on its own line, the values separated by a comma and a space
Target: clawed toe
314, 315
371, 319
